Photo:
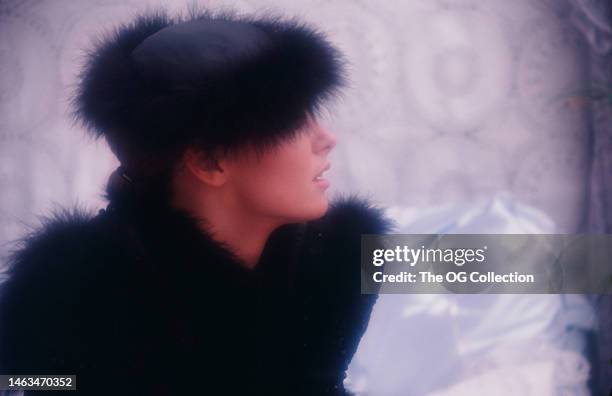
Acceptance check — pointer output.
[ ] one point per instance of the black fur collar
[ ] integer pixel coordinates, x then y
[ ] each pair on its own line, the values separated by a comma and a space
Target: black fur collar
347, 218
131, 292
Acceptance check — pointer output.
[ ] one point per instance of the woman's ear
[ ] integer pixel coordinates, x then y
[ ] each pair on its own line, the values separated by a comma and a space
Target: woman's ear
206, 168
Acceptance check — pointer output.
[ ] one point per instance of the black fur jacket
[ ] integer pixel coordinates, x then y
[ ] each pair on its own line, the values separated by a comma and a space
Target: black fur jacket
140, 301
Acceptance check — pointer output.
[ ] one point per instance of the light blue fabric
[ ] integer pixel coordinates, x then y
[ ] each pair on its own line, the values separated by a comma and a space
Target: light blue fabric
453, 344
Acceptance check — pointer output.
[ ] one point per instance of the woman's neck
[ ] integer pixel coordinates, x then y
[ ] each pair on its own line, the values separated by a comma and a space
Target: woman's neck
228, 222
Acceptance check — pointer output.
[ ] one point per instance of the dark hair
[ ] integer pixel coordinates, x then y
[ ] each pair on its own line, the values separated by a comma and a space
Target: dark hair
148, 176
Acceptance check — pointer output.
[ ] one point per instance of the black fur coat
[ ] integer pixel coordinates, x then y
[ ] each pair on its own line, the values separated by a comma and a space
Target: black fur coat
140, 301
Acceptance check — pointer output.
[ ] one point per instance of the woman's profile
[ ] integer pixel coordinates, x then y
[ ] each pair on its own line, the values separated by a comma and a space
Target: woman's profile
219, 266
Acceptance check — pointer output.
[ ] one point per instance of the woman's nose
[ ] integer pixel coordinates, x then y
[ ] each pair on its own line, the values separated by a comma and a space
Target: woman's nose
326, 139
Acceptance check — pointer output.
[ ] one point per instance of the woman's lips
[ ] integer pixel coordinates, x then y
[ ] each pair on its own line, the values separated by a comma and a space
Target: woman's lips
322, 183
319, 180
326, 167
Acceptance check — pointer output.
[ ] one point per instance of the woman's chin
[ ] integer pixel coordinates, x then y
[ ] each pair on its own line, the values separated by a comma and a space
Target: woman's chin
310, 212
320, 209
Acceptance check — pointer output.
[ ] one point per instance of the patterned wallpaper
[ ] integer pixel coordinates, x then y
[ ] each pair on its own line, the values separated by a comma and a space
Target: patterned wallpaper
450, 100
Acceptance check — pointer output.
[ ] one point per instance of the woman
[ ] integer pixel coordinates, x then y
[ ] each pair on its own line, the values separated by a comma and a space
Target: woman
219, 266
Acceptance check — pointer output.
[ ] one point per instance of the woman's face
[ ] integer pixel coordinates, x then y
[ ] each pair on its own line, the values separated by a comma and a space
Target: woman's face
283, 184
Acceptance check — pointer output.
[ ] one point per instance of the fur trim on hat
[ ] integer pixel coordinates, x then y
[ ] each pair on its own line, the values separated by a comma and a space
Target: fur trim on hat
218, 80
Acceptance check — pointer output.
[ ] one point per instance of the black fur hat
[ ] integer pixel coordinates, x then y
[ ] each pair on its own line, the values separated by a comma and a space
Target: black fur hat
219, 80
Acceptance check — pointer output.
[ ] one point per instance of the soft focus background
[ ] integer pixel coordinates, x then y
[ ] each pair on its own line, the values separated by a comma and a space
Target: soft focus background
495, 108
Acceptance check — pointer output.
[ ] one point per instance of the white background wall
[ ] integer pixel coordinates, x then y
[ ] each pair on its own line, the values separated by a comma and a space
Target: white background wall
451, 100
